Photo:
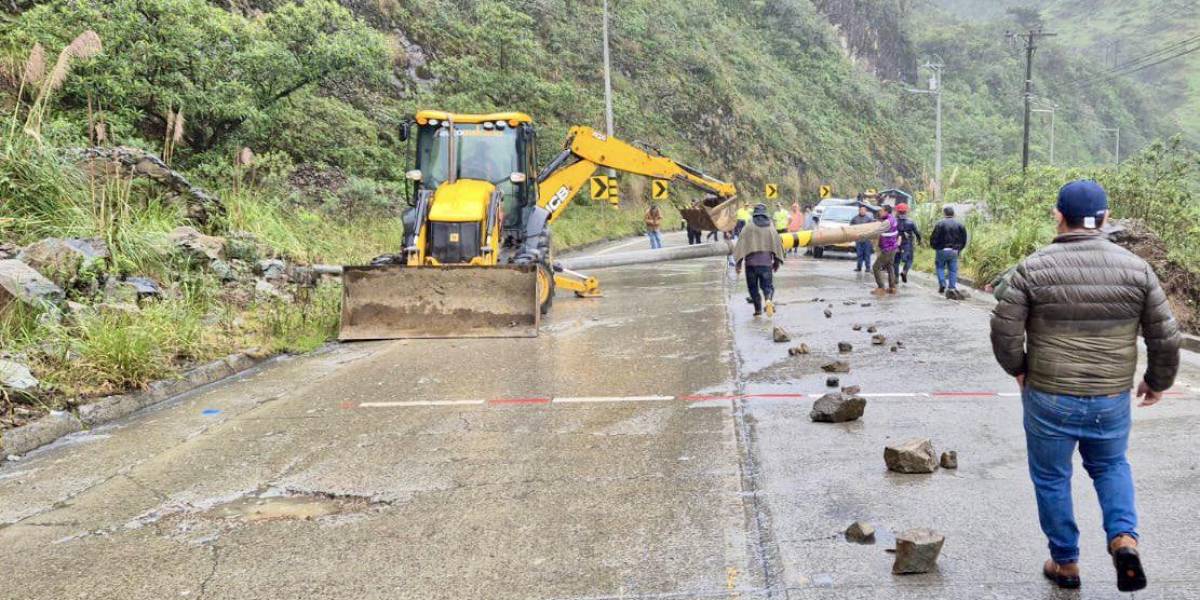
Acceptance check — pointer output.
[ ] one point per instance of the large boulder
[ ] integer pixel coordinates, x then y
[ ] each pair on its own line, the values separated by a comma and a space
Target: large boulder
196, 245
16, 377
21, 283
62, 260
917, 551
911, 456
837, 408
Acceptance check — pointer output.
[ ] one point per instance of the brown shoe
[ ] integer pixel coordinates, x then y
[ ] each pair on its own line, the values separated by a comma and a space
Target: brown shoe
891, 290
1128, 563
1064, 576
878, 292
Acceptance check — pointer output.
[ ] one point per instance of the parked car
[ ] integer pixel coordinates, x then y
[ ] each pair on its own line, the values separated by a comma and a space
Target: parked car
836, 216
819, 209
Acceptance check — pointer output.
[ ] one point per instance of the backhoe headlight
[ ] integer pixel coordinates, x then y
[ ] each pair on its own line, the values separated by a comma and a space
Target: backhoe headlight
414, 175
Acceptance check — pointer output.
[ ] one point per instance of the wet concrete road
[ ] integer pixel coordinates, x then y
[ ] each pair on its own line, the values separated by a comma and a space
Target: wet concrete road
649, 444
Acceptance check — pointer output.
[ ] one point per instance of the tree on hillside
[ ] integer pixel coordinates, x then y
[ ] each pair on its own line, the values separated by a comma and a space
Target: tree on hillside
219, 69
1028, 17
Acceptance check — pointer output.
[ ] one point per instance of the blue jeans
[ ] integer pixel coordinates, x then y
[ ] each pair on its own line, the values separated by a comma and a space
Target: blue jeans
905, 257
1100, 425
760, 278
862, 254
655, 239
947, 260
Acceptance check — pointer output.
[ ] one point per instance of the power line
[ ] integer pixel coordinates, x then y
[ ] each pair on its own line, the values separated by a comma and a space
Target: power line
1143, 67
1138, 63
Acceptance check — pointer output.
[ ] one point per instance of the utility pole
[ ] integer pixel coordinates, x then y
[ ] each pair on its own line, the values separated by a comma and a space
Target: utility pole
608, 112
935, 89
1051, 111
1117, 150
1031, 38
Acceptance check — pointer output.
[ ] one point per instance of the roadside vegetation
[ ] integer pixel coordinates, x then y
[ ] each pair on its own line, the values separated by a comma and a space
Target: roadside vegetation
1151, 195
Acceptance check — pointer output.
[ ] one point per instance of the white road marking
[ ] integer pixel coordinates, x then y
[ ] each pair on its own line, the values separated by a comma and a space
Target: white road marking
586, 399
419, 403
896, 395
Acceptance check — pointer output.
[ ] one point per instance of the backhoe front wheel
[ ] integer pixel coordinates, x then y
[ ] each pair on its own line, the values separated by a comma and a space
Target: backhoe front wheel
545, 288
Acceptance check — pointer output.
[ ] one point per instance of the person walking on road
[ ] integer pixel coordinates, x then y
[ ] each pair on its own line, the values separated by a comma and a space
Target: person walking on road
761, 251
693, 235
862, 248
795, 224
948, 240
910, 236
889, 245
743, 216
1066, 328
653, 222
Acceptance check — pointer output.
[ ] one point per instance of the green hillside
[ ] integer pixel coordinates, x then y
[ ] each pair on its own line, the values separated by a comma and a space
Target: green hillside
1138, 38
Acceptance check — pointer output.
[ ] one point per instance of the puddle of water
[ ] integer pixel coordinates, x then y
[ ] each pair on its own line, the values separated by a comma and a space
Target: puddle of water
302, 508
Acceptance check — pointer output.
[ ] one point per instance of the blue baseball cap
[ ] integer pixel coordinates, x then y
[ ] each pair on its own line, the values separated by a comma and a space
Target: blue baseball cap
1084, 200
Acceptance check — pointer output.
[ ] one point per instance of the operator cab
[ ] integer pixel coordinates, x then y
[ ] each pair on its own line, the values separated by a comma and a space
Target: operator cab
496, 149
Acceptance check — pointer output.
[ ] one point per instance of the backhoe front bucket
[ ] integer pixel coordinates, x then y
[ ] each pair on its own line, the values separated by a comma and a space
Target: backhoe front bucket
393, 302
712, 215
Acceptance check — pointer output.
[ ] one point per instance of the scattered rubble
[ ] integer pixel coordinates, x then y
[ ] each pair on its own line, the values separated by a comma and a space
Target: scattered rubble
917, 551
878, 339
857, 327
845, 347
911, 456
860, 532
16, 377
19, 281
242, 246
950, 459
62, 260
837, 408
8, 251
828, 314
852, 389
223, 270
196, 245
872, 329
831, 381
272, 268
865, 304
798, 350
895, 348
848, 303
780, 335
837, 366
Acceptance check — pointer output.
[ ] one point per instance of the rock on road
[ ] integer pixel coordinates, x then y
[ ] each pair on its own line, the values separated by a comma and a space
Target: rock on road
654, 443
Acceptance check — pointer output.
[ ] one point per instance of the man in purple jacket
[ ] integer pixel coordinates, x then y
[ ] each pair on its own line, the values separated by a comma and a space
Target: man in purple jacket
889, 244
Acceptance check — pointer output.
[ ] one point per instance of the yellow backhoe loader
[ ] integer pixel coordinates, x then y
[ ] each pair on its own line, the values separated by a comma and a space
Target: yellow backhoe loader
477, 258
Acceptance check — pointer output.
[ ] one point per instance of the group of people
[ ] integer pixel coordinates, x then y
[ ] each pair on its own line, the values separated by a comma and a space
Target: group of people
1065, 328
897, 247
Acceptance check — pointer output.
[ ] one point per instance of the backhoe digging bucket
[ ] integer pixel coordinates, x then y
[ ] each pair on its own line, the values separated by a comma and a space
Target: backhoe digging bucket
395, 302
712, 215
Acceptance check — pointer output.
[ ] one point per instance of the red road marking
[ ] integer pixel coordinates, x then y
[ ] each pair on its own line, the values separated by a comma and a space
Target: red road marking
347, 405
519, 401
774, 396
962, 394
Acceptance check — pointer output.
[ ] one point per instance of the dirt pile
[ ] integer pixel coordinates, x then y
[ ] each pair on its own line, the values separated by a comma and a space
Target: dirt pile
1181, 284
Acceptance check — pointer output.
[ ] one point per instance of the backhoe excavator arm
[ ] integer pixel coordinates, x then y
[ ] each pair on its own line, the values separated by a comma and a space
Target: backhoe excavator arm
586, 152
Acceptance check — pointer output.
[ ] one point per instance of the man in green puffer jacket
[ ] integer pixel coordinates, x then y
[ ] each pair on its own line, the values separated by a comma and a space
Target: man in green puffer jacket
1066, 328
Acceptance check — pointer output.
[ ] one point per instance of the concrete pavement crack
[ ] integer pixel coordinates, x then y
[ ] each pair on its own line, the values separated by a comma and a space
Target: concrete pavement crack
216, 562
